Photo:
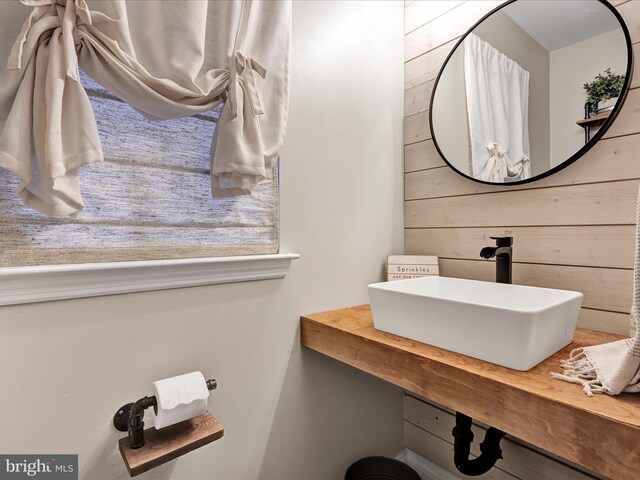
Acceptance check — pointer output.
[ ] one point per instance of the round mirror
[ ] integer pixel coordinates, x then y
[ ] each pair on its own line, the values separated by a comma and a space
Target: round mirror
530, 88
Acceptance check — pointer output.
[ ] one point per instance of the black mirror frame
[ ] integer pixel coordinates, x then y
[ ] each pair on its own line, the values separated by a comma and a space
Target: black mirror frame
596, 137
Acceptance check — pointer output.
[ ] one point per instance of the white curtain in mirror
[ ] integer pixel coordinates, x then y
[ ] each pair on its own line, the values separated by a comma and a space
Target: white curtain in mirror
497, 91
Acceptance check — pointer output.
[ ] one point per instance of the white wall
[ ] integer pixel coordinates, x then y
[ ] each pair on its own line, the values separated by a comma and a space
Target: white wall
289, 413
571, 67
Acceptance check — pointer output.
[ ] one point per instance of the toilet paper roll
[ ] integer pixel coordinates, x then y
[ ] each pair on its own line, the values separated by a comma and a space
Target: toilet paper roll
180, 398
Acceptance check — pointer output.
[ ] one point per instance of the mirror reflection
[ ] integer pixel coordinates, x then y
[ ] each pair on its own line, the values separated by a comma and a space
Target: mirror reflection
528, 87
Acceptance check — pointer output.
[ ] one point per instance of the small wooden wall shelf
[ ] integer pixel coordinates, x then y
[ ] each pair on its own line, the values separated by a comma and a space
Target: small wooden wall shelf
169, 443
594, 121
601, 433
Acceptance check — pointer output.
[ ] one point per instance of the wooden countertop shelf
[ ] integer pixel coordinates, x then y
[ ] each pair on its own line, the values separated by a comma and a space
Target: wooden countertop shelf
169, 443
601, 433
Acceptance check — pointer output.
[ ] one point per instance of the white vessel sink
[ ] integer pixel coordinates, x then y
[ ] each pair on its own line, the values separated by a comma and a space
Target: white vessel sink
510, 325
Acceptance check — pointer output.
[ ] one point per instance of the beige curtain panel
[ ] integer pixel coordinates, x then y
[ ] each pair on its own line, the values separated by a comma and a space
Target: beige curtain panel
167, 59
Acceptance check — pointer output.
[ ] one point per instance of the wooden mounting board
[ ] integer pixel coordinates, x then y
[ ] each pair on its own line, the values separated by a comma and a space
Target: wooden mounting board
169, 443
601, 433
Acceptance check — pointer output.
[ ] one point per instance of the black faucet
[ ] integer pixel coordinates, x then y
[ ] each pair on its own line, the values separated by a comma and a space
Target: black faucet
503, 252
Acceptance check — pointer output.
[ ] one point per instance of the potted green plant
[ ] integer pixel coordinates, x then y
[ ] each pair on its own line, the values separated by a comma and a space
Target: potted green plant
603, 92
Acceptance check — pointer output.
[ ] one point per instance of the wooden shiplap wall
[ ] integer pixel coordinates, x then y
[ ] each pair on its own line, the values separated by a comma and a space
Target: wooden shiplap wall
150, 199
574, 230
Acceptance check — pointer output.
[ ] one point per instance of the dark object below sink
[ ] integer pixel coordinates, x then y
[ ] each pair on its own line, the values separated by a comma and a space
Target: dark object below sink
380, 468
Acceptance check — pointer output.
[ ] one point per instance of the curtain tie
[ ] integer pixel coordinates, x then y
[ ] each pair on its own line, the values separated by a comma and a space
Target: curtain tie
496, 149
496, 166
64, 14
241, 75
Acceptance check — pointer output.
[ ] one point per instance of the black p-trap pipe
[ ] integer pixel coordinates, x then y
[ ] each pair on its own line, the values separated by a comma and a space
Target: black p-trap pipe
489, 448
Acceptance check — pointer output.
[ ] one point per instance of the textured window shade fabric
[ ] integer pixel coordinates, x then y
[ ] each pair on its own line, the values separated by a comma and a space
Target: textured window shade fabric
166, 59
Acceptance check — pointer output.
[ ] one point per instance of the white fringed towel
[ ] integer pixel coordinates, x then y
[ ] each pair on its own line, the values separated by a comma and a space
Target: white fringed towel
613, 367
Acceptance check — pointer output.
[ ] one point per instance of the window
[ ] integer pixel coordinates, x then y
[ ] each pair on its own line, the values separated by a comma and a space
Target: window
150, 199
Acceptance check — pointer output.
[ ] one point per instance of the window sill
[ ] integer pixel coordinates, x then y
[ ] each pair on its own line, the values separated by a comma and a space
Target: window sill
57, 282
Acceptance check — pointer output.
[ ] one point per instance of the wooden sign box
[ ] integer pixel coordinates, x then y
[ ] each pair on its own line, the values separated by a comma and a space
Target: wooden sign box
401, 267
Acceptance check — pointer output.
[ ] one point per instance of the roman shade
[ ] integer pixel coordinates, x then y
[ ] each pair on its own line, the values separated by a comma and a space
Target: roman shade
167, 59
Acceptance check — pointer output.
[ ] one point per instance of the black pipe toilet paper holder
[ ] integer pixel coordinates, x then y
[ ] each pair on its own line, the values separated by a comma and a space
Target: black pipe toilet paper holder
129, 417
